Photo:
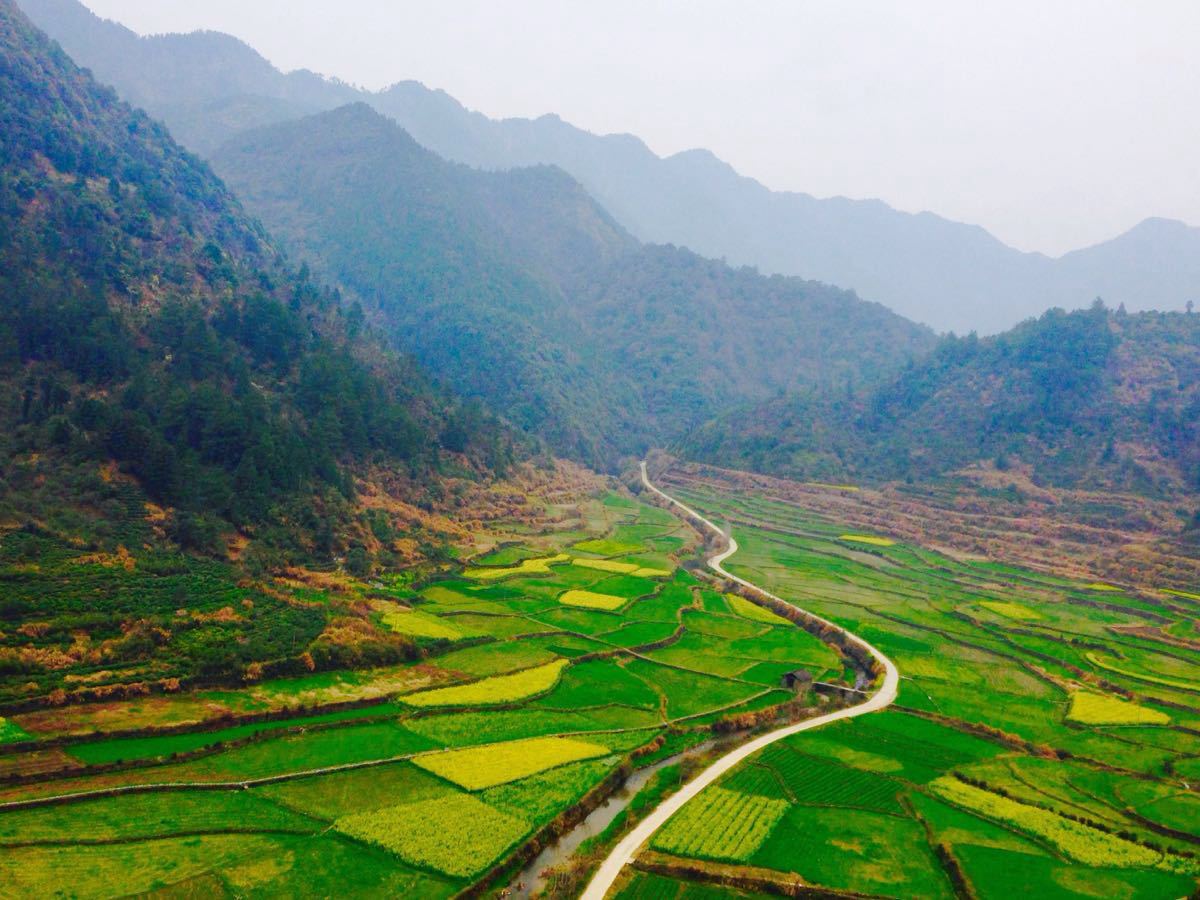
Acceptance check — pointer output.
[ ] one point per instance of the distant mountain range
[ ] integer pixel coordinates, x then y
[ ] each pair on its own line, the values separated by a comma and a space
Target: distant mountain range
516, 287
1089, 399
208, 87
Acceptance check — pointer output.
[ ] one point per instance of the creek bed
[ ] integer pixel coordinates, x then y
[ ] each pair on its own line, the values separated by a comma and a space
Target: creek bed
529, 880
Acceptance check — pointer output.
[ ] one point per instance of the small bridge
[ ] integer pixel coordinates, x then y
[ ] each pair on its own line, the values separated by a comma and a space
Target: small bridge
838, 687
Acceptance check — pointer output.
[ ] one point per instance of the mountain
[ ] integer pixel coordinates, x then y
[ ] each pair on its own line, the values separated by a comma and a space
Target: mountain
1091, 399
517, 288
205, 86
154, 340
950, 275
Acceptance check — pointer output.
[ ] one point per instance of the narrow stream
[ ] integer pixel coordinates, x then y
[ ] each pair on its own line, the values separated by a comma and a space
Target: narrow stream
530, 880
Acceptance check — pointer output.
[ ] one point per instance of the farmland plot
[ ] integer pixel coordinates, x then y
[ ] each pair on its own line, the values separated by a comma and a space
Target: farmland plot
492, 691
412, 778
1100, 709
456, 835
721, 824
492, 764
1059, 711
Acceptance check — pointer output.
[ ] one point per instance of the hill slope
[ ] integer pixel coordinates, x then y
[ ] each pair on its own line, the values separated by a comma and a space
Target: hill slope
950, 275
517, 288
1089, 399
148, 322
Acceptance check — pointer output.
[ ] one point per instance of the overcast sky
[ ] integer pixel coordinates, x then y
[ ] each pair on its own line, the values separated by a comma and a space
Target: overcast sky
1053, 123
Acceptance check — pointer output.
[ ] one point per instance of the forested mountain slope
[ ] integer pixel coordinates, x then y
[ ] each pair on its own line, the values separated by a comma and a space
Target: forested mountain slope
951, 275
516, 287
1091, 399
148, 322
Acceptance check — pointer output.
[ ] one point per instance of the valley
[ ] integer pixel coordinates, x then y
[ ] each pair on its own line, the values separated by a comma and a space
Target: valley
1015, 758
1049, 737
544, 669
375, 525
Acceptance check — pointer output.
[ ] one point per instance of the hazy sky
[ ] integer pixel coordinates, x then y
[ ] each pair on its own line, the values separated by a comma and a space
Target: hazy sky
1053, 123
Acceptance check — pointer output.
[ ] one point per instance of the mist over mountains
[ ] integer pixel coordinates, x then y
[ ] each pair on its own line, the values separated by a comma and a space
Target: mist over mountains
516, 287
508, 258
209, 87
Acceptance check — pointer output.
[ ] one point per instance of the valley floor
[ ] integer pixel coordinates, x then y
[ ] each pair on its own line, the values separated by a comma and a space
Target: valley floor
1043, 739
551, 666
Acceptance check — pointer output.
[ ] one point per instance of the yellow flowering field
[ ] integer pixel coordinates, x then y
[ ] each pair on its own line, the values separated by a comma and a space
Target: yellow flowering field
476, 768
497, 689
1075, 840
539, 566
1011, 610
867, 539
419, 625
1102, 709
456, 834
606, 565
592, 600
753, 611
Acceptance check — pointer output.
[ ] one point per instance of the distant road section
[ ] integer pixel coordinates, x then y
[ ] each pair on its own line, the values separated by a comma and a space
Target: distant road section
628, 848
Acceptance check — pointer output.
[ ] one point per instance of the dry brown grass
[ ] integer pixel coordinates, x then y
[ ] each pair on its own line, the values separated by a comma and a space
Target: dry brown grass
1091, 536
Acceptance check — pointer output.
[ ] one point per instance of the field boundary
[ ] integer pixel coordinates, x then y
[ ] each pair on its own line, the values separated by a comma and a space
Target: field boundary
628, 848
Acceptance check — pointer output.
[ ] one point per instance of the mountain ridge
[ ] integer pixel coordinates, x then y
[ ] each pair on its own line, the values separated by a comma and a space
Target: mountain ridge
561, 319
154, 334
951, 275
1092, 399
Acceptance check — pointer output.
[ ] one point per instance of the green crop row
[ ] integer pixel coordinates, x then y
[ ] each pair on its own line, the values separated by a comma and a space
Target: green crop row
722, 825
1075, 840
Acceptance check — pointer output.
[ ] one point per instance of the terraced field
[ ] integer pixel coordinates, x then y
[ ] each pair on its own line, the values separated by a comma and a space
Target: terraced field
544, 666
1043, 744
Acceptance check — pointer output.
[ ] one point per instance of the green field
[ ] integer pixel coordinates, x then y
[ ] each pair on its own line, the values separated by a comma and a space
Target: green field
524, 697
721, 825
1073, 790
522, 701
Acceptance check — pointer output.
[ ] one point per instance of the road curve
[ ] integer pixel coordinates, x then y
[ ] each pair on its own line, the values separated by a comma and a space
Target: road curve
625, 851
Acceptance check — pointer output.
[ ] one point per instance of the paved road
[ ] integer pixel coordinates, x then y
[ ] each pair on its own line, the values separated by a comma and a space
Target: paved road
625, 851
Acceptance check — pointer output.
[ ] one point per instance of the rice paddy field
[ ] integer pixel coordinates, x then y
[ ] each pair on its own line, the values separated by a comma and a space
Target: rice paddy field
546, 665
1045, 743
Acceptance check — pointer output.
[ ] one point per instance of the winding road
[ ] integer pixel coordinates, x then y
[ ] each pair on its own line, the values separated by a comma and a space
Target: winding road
628, 848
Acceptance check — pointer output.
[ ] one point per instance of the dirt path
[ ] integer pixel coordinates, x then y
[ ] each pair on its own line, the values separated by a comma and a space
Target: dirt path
625, 851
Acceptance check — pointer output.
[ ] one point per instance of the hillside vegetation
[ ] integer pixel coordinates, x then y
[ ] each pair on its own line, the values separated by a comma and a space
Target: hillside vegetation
1090, 399
153, 339
516, 288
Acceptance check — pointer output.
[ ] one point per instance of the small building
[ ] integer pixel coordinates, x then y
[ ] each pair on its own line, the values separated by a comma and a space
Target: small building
799, 680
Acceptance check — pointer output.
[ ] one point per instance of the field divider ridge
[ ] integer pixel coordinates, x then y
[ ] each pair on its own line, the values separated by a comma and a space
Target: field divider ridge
609, 870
